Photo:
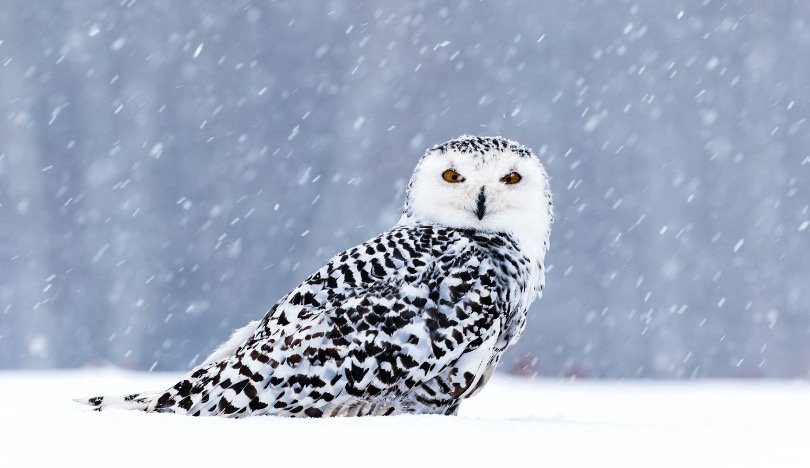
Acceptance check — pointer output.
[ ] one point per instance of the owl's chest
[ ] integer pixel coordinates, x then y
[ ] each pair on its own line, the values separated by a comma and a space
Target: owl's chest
521, 282
514, 276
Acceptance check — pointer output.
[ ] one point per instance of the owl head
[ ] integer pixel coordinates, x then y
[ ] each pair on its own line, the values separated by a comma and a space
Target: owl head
484, 183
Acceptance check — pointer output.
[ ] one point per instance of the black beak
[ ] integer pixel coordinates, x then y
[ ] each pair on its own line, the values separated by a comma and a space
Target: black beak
481, 205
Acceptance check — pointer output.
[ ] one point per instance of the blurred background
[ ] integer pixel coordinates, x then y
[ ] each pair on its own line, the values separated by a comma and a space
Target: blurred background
168, 170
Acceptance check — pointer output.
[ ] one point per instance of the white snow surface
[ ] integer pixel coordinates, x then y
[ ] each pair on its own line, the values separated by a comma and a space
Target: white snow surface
512, 422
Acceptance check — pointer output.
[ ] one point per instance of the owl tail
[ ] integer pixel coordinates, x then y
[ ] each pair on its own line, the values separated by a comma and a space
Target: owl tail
135, 401
168, 400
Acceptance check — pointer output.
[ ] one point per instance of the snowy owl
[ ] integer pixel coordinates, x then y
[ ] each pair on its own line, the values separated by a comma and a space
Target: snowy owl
412, 321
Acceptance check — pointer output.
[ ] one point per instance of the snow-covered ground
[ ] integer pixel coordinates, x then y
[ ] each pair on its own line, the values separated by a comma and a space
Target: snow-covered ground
512, 422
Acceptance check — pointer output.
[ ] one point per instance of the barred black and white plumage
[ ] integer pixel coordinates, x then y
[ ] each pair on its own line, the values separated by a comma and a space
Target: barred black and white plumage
411, 321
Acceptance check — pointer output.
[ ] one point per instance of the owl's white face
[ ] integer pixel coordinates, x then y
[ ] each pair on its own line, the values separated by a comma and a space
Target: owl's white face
485, 183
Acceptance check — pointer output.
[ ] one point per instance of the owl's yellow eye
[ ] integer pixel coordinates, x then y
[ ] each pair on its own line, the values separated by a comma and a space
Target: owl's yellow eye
452, 176
511, 178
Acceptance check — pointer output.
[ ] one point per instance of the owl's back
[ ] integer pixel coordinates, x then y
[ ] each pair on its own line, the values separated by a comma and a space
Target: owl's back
413, 320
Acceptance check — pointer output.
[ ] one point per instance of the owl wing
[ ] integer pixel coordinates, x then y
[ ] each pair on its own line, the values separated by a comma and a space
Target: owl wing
377, 321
